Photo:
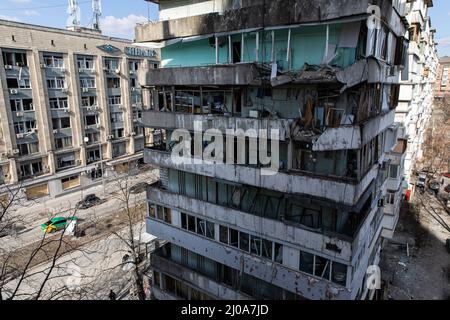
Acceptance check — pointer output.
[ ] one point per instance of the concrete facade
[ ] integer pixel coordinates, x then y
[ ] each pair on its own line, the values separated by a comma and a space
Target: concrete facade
311, 230
417, 86
442, 88
70, 107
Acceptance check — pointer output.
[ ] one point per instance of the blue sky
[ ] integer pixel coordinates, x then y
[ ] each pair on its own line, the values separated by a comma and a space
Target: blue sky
120, 16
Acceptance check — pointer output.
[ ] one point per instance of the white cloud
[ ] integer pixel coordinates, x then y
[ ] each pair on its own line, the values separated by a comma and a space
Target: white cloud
20, 1
3, 17
121, 27
444, 42
30, 13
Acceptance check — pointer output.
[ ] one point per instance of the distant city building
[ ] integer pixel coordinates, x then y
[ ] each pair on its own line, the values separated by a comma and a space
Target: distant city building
442, 88
417, 90
70, 107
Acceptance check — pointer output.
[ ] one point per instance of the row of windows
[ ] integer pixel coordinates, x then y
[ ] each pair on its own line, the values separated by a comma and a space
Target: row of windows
252, 244
196, 225
309, 263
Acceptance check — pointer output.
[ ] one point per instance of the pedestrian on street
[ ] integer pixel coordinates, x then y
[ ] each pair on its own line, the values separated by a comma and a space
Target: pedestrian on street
112, 295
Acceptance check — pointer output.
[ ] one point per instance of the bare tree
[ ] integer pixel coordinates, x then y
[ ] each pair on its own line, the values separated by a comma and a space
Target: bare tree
133, 211
436, 149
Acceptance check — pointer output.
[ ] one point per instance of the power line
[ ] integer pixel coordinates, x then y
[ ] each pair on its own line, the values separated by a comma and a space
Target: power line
40, 7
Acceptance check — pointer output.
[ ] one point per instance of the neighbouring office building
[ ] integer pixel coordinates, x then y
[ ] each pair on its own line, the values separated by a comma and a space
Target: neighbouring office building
70, 107
329, 81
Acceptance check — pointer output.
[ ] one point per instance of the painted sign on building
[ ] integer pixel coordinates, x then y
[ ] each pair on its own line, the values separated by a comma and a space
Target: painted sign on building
140, 52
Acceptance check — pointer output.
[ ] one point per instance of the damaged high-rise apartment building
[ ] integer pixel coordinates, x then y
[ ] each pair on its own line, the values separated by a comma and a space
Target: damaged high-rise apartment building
325, 75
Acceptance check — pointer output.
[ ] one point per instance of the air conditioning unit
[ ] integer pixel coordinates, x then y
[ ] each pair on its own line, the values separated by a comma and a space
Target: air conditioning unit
110, 137
20, 135
121, 107
66, 110
34, 130
19, 114
16, 151
96, 107
85, 89
55, 131
117, 71
13, 91
43, 65
133, 89
133, 134
8, 67
89, 108
105, 69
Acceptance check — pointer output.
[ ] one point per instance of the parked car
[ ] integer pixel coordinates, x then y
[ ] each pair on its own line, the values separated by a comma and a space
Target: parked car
56, 224
434, 186
138, 188
447, 188
89, 201
421, 181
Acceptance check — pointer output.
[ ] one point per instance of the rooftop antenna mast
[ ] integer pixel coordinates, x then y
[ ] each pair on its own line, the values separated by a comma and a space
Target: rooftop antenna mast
97, 11
74, 14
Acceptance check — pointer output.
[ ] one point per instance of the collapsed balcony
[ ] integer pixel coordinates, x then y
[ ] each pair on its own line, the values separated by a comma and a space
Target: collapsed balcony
300, 112
345, 190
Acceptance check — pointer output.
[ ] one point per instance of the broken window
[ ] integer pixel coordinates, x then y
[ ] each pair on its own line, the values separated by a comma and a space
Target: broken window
322, 267
306, 262
255, 245
339, 273
278, 254
223, 231
244, 241
234, 238
266, 249
191, 224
